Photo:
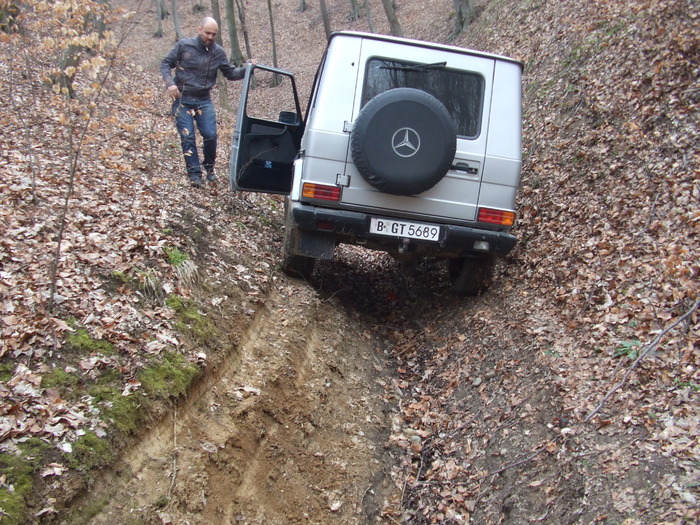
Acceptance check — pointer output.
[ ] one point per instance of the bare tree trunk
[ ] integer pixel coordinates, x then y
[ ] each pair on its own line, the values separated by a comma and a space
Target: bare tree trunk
221, 82
326, 20
464, 15
369, 17
244, 28
159, 18
390, 10
176, 20
216, 15
276, 79
354, 10
236, 53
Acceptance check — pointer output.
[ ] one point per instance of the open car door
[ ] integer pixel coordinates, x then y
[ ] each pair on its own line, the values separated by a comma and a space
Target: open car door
268, 132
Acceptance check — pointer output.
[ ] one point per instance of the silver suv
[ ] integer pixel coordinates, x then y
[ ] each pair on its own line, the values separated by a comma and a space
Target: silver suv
407, 147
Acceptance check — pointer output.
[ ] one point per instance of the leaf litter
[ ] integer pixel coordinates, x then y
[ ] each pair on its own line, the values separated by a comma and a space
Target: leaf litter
491, 395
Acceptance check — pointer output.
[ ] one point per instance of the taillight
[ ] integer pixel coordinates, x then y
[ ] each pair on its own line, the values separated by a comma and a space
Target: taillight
504, 218
320, 191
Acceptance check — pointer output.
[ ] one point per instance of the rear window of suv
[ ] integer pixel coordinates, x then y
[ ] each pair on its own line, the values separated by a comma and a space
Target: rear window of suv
461, 92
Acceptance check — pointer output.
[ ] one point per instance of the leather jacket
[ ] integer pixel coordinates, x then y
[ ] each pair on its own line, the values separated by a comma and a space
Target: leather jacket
195, 67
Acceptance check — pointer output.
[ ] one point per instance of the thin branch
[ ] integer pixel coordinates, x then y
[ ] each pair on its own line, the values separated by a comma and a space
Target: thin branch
652, 212
511, 416
647, 350
28, 134
75, 153
529, 457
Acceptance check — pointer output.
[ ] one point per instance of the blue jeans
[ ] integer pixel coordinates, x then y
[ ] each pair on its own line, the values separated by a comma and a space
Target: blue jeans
187, 113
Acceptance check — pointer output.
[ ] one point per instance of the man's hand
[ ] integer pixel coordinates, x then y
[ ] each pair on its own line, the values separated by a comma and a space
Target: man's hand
174, 92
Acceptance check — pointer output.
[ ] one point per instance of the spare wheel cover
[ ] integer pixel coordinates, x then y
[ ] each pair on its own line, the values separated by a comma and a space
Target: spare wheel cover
403, 141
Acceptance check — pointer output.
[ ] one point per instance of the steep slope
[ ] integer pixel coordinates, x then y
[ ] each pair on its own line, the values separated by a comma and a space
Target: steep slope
485, 409
608, 259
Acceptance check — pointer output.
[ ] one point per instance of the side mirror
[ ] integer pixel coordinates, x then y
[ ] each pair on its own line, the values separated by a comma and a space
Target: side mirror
289, 117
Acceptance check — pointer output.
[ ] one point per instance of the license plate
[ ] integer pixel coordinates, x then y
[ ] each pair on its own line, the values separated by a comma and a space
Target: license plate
409, 230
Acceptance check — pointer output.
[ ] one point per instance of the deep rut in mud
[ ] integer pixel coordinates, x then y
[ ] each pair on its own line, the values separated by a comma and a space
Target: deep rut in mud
292, 429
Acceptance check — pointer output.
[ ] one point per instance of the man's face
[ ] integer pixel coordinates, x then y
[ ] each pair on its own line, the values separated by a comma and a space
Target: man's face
208, 33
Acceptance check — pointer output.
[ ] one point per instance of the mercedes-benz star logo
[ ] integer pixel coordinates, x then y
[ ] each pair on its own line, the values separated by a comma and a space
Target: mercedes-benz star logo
405, 142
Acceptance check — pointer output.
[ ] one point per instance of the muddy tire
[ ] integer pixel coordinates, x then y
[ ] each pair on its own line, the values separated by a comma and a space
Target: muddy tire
403, 141
471, 275
298, 265
293, 264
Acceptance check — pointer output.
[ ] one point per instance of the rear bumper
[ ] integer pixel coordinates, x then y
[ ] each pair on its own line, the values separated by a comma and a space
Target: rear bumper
352, 227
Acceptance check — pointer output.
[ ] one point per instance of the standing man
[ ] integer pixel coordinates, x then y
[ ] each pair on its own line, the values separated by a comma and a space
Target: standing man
196, 62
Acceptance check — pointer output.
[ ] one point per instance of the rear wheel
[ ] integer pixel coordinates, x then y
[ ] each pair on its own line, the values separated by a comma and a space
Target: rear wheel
298, 265
293, 264
472, 275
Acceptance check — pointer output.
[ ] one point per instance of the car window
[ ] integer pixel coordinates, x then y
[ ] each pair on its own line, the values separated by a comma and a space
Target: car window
461, 92
272, 97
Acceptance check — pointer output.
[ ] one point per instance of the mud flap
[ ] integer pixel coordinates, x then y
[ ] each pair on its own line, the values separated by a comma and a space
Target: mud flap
314, 244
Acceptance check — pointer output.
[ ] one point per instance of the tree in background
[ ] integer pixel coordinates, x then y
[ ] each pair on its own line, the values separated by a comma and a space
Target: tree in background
355, 11
87, 22
274, 42
221, 82
240, 8
464, 15
236, 53
369, 17
326, 20
390, 10
176, 20
161, 13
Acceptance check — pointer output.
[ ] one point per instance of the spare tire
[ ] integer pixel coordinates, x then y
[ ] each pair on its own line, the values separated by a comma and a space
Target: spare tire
403, 141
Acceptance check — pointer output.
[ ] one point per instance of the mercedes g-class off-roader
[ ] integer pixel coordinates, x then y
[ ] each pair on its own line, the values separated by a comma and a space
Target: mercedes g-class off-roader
407, 147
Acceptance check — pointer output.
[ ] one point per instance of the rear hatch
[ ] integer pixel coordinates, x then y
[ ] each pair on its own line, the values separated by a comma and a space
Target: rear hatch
463, 85
359, 69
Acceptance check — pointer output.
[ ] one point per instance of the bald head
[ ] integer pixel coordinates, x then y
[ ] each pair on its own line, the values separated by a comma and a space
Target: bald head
209, 21
208, 30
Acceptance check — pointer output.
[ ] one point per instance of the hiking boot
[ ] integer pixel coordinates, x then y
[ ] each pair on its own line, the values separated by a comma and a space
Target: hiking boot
196, 181
211, 176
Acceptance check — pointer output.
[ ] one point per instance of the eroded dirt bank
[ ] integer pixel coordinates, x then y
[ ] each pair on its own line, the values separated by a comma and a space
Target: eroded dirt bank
290, 429
373, 394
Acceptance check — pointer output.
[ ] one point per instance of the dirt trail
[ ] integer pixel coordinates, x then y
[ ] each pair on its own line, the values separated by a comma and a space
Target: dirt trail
291, 429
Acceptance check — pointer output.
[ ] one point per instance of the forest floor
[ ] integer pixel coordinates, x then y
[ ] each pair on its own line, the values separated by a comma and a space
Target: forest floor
568, 393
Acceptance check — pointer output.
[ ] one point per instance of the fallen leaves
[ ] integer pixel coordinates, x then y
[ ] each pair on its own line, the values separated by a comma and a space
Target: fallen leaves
608, 255
112, 275
29, 410
53, 469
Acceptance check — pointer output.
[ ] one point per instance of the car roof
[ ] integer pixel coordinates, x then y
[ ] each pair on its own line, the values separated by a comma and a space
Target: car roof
421, 43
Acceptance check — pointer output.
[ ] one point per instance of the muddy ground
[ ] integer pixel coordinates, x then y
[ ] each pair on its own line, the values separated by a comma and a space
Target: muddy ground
305, 418
291, 427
